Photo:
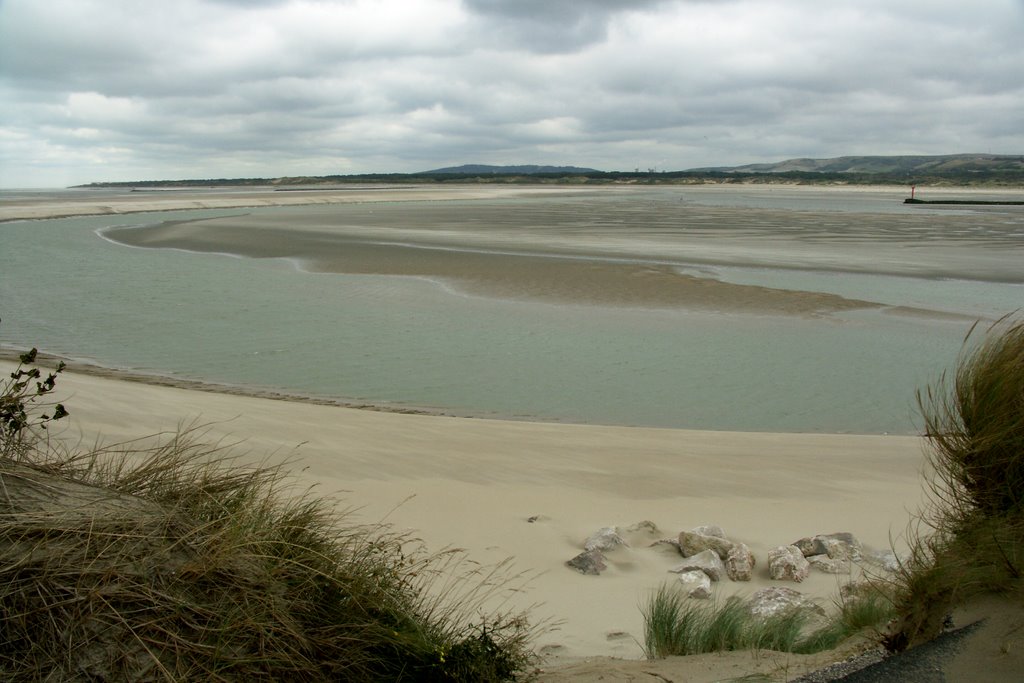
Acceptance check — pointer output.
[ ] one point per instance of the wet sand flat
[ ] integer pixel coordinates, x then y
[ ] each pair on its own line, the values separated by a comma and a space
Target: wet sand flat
620, 246
90, 202
554, 277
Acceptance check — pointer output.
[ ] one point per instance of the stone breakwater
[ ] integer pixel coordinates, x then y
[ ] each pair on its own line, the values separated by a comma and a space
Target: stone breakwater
709, 558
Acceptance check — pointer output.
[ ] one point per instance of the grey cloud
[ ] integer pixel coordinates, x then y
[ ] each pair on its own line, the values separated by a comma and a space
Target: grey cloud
547, 26
69, 48
248, 4
546, 10
201, 87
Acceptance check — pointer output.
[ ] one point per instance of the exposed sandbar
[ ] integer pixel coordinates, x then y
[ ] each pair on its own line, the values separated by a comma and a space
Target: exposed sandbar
88, 202
553, 277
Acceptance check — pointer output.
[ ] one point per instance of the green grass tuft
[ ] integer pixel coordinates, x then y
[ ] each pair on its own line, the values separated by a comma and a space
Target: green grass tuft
675, 625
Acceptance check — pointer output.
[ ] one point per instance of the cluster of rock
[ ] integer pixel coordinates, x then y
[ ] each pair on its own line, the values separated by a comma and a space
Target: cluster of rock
710, 556
591, 560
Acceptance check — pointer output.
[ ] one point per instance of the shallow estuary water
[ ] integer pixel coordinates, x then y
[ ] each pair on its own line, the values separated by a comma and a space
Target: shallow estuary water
274, 323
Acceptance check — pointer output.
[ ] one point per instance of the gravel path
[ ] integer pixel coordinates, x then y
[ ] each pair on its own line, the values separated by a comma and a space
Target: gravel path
922, 664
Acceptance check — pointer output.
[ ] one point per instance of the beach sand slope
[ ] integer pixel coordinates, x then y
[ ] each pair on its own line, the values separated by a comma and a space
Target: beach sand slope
534, 492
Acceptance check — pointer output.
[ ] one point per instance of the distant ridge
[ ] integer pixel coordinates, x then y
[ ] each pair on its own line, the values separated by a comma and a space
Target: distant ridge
1002, 170
941, 164
483, 169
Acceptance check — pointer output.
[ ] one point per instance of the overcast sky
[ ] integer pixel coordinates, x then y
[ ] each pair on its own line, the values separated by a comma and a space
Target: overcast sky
95, 90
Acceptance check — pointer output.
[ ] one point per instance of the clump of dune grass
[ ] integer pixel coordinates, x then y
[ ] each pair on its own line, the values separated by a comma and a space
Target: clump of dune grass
177, 561
969, 539
974, 423
870, 610
675, 625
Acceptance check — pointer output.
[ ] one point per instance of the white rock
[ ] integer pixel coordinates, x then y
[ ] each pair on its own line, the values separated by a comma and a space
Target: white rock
692, 543
819, 544
830, 565
739, 563
604, 539
840, 550
787, 563
696, 583
707, 561
768, 602
709, 530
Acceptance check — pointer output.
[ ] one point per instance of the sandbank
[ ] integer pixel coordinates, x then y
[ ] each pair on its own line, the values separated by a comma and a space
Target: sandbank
87, 201
635, 247
476, 484
99, 202
551, 278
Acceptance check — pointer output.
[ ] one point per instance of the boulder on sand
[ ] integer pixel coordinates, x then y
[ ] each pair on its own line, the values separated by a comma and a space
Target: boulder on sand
694, 542
787, 563
696, 583
606, 538
768, 602
589, 562
739, 563
708, 562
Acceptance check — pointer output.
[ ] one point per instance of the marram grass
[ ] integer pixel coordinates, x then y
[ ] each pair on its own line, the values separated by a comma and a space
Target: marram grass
676, 625
974, 423
177, 561
969, 539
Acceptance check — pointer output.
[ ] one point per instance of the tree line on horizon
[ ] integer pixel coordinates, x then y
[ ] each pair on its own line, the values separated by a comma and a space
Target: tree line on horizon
956, 170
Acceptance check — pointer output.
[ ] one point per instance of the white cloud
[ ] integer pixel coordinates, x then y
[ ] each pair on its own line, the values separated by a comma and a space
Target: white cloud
92, 107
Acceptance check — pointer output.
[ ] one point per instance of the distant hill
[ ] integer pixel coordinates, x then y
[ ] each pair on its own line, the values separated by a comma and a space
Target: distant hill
1002, 170
483, 169
922, 165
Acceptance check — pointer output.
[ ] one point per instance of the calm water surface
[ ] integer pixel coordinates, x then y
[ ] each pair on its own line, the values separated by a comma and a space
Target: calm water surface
412, 342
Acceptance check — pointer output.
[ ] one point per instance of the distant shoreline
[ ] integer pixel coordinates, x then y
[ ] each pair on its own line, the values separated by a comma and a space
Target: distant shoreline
963, 170
160, 196
596, 179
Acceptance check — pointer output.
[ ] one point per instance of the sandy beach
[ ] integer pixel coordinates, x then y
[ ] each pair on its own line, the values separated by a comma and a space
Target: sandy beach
475, 484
